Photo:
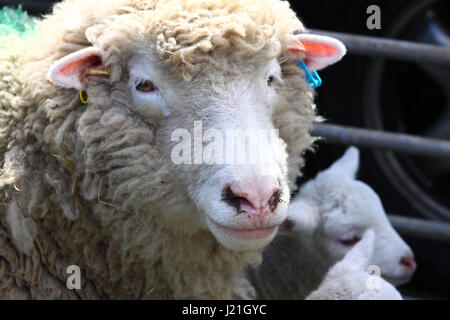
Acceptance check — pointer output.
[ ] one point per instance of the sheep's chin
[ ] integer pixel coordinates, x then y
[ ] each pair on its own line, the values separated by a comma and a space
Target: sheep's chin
242, 239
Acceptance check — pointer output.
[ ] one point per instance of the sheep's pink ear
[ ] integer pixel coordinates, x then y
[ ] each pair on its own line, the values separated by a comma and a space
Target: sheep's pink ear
303, 217
317, 51
287, 225
71, 71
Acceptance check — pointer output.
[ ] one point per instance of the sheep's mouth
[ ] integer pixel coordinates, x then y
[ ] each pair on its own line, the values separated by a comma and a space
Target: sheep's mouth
254, 236
246, 229
251, 234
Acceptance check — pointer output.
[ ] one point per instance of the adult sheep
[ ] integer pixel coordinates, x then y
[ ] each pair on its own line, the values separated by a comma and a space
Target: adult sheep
89, 106
326, 219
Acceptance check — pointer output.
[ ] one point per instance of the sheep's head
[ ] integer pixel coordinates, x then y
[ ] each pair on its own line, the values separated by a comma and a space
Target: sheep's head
191, 78
335, 210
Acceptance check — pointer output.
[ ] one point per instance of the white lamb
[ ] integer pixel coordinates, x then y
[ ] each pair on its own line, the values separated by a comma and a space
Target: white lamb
325, 220
349, 279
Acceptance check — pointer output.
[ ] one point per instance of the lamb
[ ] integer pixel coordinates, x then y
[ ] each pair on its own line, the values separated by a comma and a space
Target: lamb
96, 111
348, 279
325, 220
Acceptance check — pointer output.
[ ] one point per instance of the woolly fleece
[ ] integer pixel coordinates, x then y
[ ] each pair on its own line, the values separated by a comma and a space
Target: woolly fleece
86, 184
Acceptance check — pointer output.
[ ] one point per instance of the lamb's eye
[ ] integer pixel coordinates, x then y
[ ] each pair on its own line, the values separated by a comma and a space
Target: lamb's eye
270, 80
145, 86
350, 241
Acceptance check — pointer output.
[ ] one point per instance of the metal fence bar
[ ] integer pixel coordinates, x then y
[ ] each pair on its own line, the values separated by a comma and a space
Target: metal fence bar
396, 142
419, 228
390, 48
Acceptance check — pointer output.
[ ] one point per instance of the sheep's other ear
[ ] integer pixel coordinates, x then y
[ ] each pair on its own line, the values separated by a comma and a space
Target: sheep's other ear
358, 258
348, 164
72, 70
302, 217
317, 51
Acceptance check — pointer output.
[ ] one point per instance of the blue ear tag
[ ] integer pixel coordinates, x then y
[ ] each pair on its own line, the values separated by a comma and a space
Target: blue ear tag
313, 78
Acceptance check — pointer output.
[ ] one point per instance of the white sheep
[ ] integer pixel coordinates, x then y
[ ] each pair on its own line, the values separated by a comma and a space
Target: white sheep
96, 110
325, 220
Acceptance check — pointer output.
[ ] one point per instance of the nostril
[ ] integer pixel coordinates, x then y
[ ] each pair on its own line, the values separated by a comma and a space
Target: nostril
275, 200
408, 262
240, 203
245, 205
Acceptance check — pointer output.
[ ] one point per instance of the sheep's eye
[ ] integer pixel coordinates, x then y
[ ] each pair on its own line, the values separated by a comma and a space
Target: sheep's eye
270, 80
145, 86
350, 241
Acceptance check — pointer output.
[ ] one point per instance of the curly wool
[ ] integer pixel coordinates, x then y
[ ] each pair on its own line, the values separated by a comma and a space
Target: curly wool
85, 185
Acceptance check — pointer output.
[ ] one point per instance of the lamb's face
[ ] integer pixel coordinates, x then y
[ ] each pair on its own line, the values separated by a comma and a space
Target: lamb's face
345, 209
352, 210
348, 279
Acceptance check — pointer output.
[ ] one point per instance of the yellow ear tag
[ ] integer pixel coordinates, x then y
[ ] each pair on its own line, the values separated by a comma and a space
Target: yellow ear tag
97, 72
84, 97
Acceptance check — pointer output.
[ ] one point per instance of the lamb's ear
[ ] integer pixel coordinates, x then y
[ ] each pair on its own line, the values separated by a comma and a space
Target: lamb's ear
348, 164
317, 51
360, 255
71, 71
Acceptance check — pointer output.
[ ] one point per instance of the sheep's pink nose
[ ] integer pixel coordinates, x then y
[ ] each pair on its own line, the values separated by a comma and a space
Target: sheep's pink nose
260, 195
408, 262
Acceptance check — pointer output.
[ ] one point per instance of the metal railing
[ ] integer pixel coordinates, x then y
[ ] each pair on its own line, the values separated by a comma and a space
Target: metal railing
393, 49
397, 142
419, 228
389, 141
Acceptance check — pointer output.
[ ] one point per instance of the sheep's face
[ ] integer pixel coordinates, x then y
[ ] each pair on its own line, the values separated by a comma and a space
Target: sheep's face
217, 132
219, 137
341, 210
212, 103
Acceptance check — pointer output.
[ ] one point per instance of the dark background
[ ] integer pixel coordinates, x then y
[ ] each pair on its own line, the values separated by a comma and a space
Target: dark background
386, 95
404, 97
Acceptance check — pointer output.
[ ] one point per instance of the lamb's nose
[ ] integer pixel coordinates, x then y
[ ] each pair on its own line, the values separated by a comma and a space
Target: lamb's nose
408, 262
260, 195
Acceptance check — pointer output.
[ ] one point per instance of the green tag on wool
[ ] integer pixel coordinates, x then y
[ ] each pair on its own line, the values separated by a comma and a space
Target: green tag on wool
15, 21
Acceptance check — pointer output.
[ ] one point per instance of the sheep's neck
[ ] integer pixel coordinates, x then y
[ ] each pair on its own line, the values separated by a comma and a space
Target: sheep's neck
203, 268
185, 266
157, 263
